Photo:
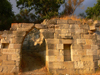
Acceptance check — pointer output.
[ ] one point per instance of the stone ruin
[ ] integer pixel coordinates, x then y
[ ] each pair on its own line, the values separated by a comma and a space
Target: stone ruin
72, 47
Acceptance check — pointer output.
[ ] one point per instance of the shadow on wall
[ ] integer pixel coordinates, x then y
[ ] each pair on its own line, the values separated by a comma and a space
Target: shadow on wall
32, 56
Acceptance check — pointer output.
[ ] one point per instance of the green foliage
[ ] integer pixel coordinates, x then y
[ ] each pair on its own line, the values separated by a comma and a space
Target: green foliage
70, 6
94, 12
44, 8
82, 15
6, 15
24, 17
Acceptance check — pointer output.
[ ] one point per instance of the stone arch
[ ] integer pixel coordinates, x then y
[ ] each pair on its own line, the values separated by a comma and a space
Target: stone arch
20, 31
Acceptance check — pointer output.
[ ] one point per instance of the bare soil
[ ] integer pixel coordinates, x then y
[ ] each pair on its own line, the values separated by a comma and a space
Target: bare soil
32, 64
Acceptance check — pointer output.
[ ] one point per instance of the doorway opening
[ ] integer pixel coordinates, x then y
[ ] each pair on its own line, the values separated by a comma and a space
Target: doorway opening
33, 53
67, 52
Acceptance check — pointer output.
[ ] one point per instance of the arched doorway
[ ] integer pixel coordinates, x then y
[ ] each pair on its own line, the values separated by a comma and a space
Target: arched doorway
33, 54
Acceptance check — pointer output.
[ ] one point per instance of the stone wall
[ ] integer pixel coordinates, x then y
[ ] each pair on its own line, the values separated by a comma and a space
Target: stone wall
79, 41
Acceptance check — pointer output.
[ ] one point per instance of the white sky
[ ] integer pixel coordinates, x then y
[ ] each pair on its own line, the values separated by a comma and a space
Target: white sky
86, 3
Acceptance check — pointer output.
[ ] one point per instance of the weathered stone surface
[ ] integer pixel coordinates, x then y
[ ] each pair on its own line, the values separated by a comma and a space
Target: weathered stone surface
40, 26
62, 21
60, 46
96, 23
26, 25
52, 41
52, 46
92, 27
48, 35
66, 41
78, 64
64, 26
19, 33
80, 41
5, 40
3, 57
53, 52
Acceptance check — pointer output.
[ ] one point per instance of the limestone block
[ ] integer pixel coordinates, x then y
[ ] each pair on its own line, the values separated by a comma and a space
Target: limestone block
53, 52
65, 71
9, 57
86, 46
76, 57
72, 26
68, 64
89, 52
64, 26
84, 26
0, 46
98, 37
14, 26
1, 70
56, 58
3, 57
60, 46
16, 40
70, 21
99, 63
94, 47
71, 30
88, 64
81, 41
10, 62
88, 42
90, 32
52, 41
23, 29
52, 58
62, 21
65, 36
19, 33
16, 57
18, 51
52, 21
40, 26
7, 51
97, 23
76, 46
5, 40
92, 27
78, 64
11, 69
86, 36
5, 69
78, 31
87, 58
15, 46
27, 25
64, 31
52, 46
55, 65
74, 51
1, 37
48, 34
66, 41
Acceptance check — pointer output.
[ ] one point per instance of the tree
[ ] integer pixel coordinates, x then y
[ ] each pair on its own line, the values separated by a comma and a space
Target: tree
43, 8
82, 15
71, 5
6, 15
93, 11
24, 17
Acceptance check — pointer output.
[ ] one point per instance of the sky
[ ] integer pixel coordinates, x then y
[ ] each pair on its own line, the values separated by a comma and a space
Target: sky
85, 4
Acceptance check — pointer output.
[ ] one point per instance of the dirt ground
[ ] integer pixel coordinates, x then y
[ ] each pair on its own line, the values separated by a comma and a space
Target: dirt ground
32, 64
